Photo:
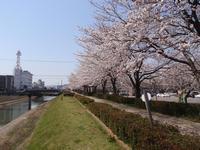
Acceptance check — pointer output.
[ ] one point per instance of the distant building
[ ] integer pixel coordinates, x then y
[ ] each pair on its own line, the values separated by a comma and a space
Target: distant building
26, 80
6, 83
17, 78
39, 84
22, 79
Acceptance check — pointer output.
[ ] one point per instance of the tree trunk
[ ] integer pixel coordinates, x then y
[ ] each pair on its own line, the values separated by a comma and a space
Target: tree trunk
94, 90
113, 82
104, 86
183, 96
136, 84
197, 76
137, 90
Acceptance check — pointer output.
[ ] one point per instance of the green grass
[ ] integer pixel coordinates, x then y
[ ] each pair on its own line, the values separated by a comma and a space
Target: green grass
66, 125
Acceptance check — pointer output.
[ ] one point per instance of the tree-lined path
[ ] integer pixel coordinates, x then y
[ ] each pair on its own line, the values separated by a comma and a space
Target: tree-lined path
184, 126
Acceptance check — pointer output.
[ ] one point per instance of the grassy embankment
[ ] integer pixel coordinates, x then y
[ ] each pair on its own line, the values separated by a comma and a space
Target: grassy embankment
66, 125
14, 135
136, 131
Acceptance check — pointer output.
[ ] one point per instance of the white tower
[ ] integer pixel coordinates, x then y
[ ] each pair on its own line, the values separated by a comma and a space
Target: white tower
18, 60
18, 72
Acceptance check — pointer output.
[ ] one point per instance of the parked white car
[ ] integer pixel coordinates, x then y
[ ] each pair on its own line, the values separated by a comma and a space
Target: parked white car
197, 96
166, 94
163, 95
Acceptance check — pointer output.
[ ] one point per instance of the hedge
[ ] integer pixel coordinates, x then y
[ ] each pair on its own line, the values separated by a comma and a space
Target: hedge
135, 130
116, 98
190, 111
84, 100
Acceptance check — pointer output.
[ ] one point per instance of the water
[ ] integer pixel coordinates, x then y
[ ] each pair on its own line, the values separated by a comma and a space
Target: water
11, 112
48, 98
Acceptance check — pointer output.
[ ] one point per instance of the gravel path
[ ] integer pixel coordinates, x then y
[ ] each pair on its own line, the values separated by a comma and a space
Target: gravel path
184, 126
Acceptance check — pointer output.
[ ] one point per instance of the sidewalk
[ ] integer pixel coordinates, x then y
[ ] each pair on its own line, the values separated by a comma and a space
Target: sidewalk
184, 126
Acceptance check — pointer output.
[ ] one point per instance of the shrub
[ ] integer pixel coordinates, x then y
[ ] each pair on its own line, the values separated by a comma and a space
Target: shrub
176, 109
117, 98
84, 100
136, 131
191, 111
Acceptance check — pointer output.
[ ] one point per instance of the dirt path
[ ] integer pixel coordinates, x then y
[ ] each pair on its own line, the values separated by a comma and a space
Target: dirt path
184, 126
15, 133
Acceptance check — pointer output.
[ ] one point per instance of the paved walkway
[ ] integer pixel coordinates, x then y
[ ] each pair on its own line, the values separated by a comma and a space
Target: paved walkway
184, 126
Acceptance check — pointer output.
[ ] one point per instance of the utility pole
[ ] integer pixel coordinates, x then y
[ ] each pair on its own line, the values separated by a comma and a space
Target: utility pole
61, 84
29, 102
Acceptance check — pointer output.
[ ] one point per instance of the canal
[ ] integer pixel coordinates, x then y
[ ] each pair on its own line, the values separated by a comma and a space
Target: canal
11, 112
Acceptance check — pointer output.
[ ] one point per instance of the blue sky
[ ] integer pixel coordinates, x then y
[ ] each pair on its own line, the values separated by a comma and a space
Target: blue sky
42, 30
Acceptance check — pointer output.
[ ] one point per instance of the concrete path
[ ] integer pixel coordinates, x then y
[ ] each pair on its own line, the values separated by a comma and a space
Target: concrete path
184, 126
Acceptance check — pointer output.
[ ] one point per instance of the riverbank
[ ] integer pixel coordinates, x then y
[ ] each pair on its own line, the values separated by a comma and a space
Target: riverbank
67, 125
16, 132
8, 100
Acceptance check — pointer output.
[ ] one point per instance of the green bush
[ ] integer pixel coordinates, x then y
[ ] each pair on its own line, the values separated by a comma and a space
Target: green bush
135, 130
191, 111
117, 98
176, 109
84, 100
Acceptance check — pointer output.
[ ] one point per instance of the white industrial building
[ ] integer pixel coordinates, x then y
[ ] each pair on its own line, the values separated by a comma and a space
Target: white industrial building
26, 80
22, 79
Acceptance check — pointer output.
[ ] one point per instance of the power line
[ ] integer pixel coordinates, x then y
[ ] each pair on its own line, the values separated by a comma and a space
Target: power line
51, 75
47, 61
39, 60
50, 78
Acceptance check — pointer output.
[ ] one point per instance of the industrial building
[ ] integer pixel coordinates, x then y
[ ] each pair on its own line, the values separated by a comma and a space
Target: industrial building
6, 84
22, 79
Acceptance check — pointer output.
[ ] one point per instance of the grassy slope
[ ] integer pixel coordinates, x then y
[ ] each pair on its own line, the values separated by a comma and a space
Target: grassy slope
66, 125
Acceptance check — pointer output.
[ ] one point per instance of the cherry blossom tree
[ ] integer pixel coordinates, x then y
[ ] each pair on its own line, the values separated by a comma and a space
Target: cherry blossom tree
137, 40
163, 29
109, 50
178, 76
189, 9
98, 55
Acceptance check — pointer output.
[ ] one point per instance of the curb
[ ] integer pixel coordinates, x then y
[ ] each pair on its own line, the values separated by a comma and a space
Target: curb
108, 131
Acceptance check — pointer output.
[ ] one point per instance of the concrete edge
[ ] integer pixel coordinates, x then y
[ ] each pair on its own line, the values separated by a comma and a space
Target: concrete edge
13, 102
4, 130
108, 130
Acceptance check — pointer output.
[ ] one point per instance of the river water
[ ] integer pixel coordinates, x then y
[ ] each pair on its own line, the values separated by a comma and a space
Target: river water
11, 112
